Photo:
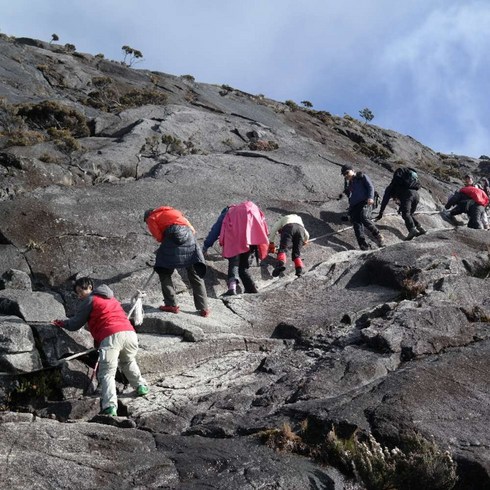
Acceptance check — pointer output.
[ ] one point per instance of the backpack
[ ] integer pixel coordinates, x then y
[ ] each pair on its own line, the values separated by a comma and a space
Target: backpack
476, 194
406, 178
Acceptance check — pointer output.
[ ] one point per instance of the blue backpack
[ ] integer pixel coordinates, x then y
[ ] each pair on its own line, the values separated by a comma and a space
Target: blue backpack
406, 178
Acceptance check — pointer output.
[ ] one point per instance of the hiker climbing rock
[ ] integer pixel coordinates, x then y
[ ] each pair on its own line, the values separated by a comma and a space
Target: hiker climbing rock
114, 337
470, 200
242, 230
484, 185
293, 235
209, 241
178, 249
360, 191
404, 188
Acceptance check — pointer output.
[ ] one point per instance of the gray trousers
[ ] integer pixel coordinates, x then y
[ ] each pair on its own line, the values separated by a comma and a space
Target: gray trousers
117, 349
197, 285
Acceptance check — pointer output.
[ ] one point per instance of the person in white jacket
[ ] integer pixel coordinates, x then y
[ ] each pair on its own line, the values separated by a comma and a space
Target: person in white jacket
293, 235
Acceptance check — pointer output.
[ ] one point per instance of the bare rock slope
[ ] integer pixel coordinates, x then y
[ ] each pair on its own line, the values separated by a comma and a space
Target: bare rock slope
388, 341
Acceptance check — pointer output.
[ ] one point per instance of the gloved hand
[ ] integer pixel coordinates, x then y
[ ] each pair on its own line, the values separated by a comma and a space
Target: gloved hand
58, 323
380, 215
204, 251
272, 248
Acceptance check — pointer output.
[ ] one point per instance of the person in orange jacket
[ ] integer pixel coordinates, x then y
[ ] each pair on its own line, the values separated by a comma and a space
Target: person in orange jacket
178, 249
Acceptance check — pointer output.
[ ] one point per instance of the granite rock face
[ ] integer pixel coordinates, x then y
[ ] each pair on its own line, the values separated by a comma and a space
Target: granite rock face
382, 341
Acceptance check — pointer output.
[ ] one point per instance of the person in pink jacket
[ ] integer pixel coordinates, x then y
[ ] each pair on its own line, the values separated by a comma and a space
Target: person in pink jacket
243, 231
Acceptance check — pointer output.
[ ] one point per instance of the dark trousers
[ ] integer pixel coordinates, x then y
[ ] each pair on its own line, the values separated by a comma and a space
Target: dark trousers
239, 265
197, 285
292, 238
474, 211
476, 217
360, 217
408, 206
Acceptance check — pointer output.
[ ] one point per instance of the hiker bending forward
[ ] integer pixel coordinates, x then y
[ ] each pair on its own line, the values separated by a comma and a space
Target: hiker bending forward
404, 188
234, 269
178, 249
114, 337
293, 235
360, 191
472, 201
242, 230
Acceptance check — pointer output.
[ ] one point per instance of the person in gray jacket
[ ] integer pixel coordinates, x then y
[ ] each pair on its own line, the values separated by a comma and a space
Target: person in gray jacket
114, 337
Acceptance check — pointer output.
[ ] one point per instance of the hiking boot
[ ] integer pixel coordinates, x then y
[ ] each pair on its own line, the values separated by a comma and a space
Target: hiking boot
280, 267
380, 241
421, 231
205, 313
365, 246
298, 266
142, 390
169, 309
230, 292
109, 411
411, 234
278, 270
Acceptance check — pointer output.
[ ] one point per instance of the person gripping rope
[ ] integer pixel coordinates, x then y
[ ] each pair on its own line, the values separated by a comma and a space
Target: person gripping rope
209, 241
404, 187
242, 230
178, 249
293, 235
360, 191
470, 200
114, 337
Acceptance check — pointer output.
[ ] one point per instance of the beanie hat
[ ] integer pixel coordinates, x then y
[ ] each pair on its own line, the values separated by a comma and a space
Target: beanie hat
345, 169
147, 213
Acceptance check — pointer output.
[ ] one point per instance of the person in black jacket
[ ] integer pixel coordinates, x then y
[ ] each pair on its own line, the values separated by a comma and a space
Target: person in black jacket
178, 250
408, 197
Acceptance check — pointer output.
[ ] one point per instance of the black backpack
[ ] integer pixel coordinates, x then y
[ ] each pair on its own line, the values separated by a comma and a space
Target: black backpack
406, 178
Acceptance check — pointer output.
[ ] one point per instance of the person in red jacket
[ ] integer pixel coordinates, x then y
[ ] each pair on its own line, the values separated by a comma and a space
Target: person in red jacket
470, 200
113, 335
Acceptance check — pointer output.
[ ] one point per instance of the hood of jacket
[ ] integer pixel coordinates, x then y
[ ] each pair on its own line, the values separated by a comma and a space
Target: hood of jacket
104, 291
178, 234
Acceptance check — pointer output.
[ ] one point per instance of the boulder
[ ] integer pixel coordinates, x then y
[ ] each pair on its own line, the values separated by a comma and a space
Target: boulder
15, 279
32, 307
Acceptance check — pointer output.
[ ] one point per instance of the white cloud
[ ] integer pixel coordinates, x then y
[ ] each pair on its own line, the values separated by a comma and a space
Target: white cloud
445, 62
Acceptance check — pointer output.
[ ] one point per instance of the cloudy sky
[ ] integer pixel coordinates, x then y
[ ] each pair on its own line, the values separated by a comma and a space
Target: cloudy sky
421, 66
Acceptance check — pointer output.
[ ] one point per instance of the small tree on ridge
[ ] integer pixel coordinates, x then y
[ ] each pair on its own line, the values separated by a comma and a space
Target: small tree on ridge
133, 54
366, 114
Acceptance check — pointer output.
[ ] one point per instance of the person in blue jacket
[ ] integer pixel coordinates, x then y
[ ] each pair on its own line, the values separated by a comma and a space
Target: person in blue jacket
237, 266
360, 191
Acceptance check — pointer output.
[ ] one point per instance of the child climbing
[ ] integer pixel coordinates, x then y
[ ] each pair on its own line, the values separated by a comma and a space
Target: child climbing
293, 235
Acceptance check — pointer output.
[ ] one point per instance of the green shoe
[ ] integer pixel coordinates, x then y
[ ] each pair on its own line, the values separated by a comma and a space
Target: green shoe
142, 390
109, 411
